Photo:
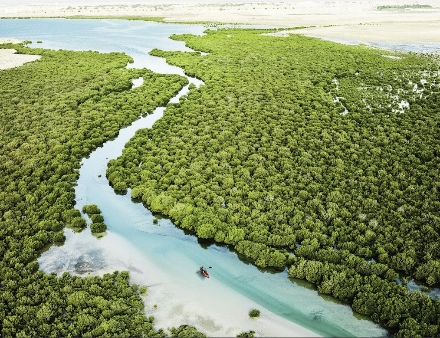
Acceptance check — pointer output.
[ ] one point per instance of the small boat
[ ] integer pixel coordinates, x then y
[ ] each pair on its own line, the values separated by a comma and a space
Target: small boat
204, 272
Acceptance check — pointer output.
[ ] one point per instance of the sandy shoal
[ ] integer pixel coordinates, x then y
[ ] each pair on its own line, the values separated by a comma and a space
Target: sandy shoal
205, 304
8, 58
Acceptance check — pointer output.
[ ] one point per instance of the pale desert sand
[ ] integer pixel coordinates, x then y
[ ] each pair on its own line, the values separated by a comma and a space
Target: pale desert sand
8, 58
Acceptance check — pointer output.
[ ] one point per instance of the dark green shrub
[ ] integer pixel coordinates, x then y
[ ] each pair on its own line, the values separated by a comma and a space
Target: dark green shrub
59, 237
254, 313
91, 209
98, 227
184, 331
97, 218
79, 223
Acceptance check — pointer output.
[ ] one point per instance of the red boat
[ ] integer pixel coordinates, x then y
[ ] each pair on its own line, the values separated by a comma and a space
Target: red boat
204, 272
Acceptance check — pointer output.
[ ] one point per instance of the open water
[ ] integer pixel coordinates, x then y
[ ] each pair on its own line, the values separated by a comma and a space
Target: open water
163, 256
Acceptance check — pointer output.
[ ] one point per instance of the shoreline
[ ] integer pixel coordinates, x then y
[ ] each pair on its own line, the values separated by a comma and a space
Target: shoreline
175, 305
363, 21
355, 22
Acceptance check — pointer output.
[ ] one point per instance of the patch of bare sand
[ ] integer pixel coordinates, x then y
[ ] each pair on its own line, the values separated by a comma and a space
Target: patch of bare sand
8, 58
410, 32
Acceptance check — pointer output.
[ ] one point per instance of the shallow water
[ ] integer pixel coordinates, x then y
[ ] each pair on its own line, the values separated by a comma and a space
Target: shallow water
162, 256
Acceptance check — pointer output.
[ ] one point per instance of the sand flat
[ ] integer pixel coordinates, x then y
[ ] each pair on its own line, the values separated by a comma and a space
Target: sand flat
9, 58
178, 301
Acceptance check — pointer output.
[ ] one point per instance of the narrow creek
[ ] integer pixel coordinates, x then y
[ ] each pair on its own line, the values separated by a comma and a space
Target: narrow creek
162, 256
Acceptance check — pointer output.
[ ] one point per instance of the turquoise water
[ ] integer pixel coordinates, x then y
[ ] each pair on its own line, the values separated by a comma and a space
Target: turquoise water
177, 255
136, 38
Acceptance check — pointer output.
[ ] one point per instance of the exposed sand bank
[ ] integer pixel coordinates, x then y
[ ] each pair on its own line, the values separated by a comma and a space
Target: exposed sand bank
285, 13
8, 58
412, 32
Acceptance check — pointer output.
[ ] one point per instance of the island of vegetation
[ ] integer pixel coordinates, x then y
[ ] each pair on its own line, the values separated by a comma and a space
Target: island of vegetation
254, 313
94, 213
308, 155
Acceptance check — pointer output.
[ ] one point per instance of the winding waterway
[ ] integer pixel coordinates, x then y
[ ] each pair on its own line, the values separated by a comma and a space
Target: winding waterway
162, 256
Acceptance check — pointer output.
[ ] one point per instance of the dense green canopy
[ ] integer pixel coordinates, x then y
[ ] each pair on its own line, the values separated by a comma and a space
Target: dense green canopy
306, 154
54, 112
